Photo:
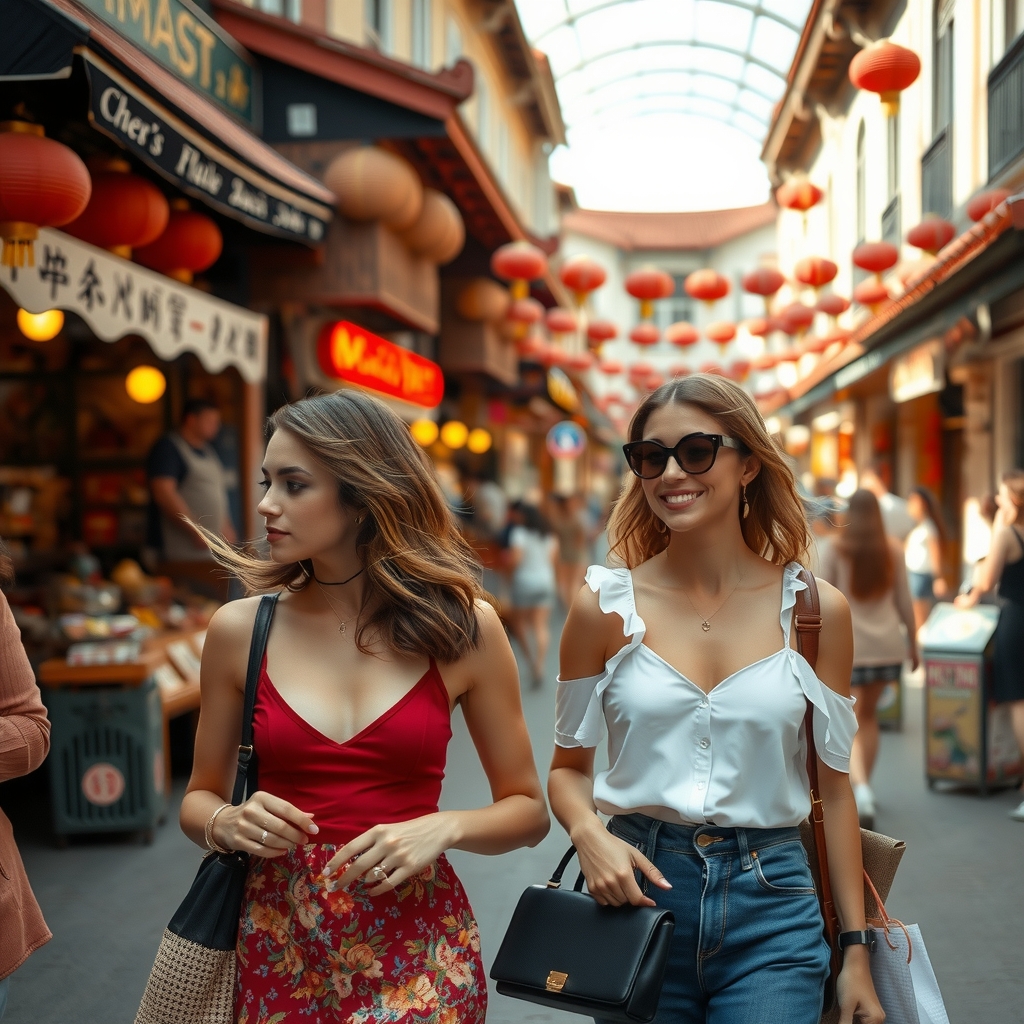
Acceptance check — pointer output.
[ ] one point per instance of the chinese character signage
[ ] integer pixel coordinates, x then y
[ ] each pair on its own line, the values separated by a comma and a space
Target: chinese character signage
116, 298
347, 352
158, 138
189, 43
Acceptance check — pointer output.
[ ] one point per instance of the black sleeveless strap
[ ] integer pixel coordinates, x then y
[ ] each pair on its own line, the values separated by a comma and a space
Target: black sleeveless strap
245, 775
1020, 539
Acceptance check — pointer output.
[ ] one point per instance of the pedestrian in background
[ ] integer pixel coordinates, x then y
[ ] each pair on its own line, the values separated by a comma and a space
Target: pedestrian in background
895, 515
685, 655
571, 526
532, 555
381, 628
24, 743
867, 566
1004, 569
923, 553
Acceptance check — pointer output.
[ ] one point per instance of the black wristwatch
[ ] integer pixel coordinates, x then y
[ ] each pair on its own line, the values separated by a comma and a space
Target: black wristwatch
864, 938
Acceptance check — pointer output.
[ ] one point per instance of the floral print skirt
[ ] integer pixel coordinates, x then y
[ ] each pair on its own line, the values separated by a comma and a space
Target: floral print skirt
309, 955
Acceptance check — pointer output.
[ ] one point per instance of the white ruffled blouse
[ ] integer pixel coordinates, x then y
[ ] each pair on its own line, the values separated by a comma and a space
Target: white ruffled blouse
733, 757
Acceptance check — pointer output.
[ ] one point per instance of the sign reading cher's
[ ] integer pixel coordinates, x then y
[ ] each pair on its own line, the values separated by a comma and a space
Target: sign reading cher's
351, 353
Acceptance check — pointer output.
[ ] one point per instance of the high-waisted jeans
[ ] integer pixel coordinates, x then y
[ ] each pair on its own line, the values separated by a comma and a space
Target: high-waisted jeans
749, 945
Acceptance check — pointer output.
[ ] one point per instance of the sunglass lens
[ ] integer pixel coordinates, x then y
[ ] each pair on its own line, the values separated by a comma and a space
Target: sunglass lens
648, 460
697, 454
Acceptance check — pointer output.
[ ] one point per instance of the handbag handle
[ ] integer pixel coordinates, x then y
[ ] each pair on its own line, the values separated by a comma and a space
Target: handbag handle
246, 754
555, 881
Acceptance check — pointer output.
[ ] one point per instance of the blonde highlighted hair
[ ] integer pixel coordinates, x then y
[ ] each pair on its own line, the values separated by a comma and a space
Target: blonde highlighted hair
776, 527
423, 579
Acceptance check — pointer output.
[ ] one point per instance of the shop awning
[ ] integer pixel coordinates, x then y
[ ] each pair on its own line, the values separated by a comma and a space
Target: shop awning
165, 123
983, 265
116, 297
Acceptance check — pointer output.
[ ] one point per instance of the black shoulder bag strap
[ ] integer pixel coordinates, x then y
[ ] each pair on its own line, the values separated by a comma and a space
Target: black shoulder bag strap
246, 774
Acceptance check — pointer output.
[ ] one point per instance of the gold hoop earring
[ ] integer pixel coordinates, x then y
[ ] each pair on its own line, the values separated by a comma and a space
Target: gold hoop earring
746, 504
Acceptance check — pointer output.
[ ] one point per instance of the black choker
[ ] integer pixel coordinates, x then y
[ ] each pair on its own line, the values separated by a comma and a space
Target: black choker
340, 583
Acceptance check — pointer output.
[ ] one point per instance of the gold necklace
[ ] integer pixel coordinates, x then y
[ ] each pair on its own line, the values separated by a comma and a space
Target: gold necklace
342, 627
705, 620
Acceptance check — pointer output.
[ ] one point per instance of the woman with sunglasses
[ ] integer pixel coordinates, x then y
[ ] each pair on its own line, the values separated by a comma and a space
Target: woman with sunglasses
351, 910
686, 653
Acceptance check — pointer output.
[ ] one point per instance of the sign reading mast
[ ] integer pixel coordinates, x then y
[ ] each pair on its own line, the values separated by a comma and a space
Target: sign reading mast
350, 353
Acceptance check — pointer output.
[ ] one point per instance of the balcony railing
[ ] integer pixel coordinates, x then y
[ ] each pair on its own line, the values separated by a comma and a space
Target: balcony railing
1006, 109
891, 225
937, 175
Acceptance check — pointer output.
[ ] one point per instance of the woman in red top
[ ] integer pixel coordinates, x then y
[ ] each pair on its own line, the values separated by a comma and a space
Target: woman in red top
351, 911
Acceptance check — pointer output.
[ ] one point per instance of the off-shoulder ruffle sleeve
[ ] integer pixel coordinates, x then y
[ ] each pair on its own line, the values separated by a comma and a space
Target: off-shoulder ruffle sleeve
835, 723
579, 713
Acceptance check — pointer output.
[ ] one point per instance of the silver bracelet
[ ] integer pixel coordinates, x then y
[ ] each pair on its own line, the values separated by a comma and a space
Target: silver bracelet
208, 832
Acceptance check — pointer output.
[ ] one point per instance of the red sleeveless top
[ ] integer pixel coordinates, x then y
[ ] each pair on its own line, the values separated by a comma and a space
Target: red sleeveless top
390, 771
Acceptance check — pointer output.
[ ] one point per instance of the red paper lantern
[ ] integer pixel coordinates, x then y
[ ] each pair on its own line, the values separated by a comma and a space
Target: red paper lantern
932, 234
765, 361
832, 304
986, 202
876, 257
611, 367
599, 331
759, 326
645, 334
815, 272
525, 311
579, 362
529, 346
707, 285
649, 284
871, 293
553, 355
740, 370
682, 334
640, 371
887, 69
582, 275
764, 281
798, 194
714, 369
721, 332
125, 211
560, 321
654, 382
679, 370
191, 242
789, 355
42, 184
797, 317
520, 263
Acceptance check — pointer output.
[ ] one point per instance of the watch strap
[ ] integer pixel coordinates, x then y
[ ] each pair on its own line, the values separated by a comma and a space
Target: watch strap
859, 938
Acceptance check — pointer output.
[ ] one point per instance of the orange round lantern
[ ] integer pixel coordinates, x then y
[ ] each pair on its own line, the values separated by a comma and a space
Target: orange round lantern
871, 293
484, 300
520, 263
525, 311
191, 242
560, 321
707, 285
759, 326
682, 334
582, 275
649, 284
721, 332
877, 257
645, 334
797, 317
986, 202
610, 367
372, 184
815, 272
42, 184
437, 233
125, 211
887, 69
931, 235
798, 194
832, 304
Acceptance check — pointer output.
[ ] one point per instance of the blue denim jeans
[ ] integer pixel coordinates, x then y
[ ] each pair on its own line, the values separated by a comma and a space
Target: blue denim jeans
749, 944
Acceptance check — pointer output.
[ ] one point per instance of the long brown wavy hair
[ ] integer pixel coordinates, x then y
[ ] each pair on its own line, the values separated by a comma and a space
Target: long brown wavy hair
864, 543
422, 577
776, 527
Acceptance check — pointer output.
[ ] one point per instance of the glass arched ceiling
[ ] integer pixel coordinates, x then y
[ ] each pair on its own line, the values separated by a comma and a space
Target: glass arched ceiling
666, 102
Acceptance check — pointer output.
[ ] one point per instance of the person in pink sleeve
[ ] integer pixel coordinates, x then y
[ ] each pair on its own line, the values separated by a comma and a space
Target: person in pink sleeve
24, 742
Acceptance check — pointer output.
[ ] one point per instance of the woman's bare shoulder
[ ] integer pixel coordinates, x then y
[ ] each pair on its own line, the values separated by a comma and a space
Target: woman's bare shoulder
232, 622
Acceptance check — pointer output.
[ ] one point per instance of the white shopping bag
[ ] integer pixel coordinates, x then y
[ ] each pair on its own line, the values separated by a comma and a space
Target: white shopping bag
908, 992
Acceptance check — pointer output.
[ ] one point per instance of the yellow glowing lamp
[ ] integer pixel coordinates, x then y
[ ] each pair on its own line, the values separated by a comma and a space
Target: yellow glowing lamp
479, 441
40, 326
454, 434
145, 384
424, 432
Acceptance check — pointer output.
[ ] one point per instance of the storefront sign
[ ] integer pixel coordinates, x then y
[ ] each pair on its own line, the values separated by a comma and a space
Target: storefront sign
191, 162
190, 44
921, 371
566, 440
116, 298
348, 352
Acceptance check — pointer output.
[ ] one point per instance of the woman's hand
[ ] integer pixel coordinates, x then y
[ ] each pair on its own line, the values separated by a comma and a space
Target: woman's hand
264, 825
939, 587
855, 990
608, 864
400, 851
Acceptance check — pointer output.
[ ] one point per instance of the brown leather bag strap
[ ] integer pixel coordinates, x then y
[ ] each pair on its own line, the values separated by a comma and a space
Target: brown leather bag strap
807, 620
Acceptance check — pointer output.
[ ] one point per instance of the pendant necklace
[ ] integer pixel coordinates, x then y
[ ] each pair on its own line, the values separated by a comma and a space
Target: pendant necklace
342, 627
705, 620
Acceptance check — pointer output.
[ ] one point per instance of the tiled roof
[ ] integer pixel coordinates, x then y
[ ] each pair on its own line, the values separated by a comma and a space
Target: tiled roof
700, 230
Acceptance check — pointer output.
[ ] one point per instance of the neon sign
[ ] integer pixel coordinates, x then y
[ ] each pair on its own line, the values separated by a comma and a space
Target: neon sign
350, 353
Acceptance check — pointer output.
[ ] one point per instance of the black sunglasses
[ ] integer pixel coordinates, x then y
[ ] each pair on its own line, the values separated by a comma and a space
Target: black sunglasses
695, 453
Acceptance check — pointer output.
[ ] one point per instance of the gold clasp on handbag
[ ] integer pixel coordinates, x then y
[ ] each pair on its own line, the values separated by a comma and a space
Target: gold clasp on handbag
556, 981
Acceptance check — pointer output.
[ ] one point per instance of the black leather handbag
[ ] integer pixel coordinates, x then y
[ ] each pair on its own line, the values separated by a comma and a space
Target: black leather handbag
193, 976
563, 949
